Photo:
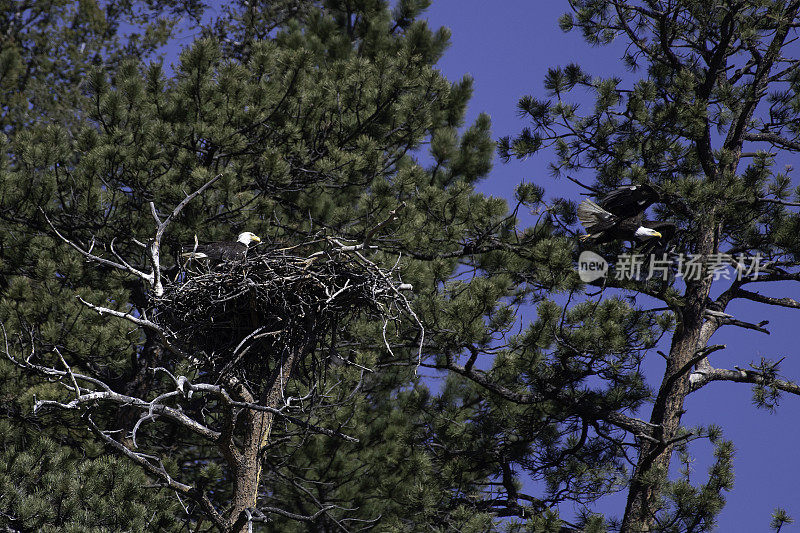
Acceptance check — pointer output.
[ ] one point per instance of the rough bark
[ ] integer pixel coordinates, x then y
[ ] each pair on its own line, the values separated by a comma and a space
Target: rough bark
654, 458
246, 466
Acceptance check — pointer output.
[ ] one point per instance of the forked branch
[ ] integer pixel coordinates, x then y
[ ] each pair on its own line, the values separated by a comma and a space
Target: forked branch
153, 277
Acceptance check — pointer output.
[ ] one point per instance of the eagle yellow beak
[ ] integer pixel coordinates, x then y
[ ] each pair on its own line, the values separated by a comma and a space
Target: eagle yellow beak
256, 238
656, 234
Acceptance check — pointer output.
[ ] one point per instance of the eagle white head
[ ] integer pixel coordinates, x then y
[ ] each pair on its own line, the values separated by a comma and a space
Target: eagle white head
247, 237
646, 233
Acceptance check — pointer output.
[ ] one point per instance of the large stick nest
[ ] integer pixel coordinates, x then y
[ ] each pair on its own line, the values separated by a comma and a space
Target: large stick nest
244, 317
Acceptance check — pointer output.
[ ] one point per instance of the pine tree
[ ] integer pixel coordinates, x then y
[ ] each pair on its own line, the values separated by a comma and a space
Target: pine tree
306, 137
49, 47
46, 48
712, 108
324, 128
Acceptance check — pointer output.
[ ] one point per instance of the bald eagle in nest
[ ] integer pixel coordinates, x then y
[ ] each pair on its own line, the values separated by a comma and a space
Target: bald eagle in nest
221, 251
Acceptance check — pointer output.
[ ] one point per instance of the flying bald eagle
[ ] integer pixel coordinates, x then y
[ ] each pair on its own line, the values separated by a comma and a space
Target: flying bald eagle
222, 251
603, 226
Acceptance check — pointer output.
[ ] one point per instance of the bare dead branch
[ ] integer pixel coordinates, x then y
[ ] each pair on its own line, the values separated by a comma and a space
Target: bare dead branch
141, 322
779, 201
225, 396
175, 415
155, 467
261, 515
747, 325
49, 372
701, 378
774, 139
391, 218
96, 258
770, 300
155, 244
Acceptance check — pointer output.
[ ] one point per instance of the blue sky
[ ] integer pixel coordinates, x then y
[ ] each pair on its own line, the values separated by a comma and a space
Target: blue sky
507, 47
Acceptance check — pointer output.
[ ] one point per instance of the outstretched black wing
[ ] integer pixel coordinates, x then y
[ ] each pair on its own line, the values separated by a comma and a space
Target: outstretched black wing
630, 200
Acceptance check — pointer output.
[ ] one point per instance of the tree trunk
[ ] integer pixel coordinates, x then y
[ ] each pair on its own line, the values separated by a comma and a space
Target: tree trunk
258, 424
654, 458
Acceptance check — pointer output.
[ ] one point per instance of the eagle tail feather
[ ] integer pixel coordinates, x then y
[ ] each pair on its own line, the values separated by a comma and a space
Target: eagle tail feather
590, 214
